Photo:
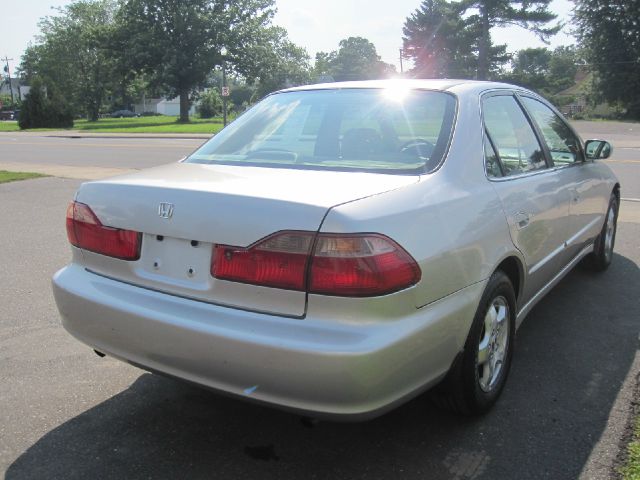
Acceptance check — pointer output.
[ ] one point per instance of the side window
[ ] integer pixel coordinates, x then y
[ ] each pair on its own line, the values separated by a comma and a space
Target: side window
563, 144
517, 145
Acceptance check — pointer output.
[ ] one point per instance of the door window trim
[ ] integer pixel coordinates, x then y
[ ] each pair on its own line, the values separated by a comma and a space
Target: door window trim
582, 156
504, 92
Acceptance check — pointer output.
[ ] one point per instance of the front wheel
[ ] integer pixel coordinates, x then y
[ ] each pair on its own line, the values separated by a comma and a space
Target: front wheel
476, 381
600, 259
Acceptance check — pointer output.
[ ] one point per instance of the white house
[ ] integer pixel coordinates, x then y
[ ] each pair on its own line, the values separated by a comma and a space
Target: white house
18, 90
163, 106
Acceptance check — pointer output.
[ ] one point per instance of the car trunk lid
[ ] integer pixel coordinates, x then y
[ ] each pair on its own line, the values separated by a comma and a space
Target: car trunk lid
184, 209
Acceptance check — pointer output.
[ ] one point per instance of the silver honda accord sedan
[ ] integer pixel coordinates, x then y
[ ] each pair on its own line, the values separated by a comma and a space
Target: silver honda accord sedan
341, 248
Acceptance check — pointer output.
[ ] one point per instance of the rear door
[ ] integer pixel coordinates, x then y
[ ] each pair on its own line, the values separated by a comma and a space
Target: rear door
535, 203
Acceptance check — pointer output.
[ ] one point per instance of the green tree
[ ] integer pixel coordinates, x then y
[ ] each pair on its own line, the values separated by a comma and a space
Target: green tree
545, 71
275, 62
241, 96
177, 43
210, 104
322, 64
455, 37
610, 34
530, 68
532, 15
72, 53
440, 41
7, 103
44, 108
355, 59
563, 67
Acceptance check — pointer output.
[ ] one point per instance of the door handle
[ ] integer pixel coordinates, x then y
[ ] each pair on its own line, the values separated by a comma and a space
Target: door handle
575, 196
521, 219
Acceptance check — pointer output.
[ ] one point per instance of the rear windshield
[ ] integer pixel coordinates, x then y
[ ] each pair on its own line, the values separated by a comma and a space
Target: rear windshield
389, 130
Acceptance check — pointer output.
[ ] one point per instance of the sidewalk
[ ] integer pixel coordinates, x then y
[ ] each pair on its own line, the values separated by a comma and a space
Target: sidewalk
82, 134
66, 171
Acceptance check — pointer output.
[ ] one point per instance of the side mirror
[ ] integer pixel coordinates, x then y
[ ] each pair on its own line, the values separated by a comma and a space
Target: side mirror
597, 149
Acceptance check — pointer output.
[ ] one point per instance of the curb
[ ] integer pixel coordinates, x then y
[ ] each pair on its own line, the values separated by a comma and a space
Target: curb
198, 136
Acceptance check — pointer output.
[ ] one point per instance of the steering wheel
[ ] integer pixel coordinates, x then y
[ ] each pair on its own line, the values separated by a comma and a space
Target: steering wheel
418, 146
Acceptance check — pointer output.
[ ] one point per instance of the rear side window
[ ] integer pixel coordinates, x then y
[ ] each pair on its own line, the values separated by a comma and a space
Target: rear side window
381, 130
563, 144
512, 136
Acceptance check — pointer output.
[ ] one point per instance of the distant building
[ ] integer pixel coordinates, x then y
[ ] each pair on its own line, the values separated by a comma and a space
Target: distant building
19, 90
161, 106
580, 94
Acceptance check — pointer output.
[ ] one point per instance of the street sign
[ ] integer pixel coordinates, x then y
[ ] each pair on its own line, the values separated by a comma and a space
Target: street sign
225, 91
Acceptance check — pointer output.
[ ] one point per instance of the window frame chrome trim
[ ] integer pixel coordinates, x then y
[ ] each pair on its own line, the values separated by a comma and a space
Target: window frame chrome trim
514, 92
544, 102
510, 92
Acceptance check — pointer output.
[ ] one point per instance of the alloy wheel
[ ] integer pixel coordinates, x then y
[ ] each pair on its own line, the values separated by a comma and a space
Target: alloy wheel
493, 344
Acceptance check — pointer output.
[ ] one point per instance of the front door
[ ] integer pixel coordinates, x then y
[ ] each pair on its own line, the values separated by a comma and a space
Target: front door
586, 211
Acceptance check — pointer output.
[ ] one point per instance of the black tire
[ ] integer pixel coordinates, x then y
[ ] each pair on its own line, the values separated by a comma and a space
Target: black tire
462, 390
600, 259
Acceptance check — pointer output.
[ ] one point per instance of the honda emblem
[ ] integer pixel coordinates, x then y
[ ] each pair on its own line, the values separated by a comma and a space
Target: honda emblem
165, 210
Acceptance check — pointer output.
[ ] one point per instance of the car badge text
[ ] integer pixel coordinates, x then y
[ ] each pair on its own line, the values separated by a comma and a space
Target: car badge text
165, 210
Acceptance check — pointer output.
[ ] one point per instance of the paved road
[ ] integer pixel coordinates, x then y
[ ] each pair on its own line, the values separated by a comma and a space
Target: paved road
100, 152
65, 413
109, 156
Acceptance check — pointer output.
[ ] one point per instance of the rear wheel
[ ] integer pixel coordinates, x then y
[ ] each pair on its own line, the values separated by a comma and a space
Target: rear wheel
600, 259
477, 379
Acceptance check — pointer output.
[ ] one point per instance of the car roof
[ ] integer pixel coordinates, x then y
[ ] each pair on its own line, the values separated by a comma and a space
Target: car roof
426, 84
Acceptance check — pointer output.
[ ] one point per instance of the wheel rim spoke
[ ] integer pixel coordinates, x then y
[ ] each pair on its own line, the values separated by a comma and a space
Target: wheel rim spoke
483, 352
610, 229
493, 342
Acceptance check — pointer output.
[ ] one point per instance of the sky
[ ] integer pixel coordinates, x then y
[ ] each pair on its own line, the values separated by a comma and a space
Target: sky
316, 26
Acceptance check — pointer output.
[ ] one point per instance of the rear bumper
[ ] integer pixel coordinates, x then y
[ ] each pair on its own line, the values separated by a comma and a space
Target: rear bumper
319, 366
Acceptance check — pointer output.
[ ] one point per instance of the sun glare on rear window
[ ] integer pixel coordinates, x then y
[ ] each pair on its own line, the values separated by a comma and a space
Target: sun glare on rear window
388, 130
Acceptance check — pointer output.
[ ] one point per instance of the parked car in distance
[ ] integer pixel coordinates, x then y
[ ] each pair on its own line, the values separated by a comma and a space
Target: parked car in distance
341, 248
124, 114
9, 114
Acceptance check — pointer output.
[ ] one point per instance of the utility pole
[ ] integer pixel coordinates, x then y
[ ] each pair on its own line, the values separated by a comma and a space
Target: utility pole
225, 93
225, 88
6, 69
401, 68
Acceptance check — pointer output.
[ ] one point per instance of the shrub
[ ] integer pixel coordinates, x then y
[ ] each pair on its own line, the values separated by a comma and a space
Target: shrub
44, 109
210, 104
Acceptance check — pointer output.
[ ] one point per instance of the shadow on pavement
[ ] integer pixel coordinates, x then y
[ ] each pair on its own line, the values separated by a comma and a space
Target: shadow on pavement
573, 353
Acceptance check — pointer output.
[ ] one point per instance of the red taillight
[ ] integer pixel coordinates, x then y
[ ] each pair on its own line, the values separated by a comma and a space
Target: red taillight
85, 231
342, 265
361, 265
279, 260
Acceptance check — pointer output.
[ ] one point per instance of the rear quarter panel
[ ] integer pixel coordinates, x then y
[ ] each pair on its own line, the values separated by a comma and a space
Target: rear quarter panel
451, 222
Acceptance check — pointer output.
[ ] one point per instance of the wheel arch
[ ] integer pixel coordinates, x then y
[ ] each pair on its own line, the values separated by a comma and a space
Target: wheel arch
514, 270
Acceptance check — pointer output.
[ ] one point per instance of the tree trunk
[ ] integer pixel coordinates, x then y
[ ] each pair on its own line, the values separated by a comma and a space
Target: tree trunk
484, 44
184, 106
93, 112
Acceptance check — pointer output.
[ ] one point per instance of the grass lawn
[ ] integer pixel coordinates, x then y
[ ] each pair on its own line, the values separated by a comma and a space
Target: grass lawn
9, 126
160, 124
13, 176
631, 471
